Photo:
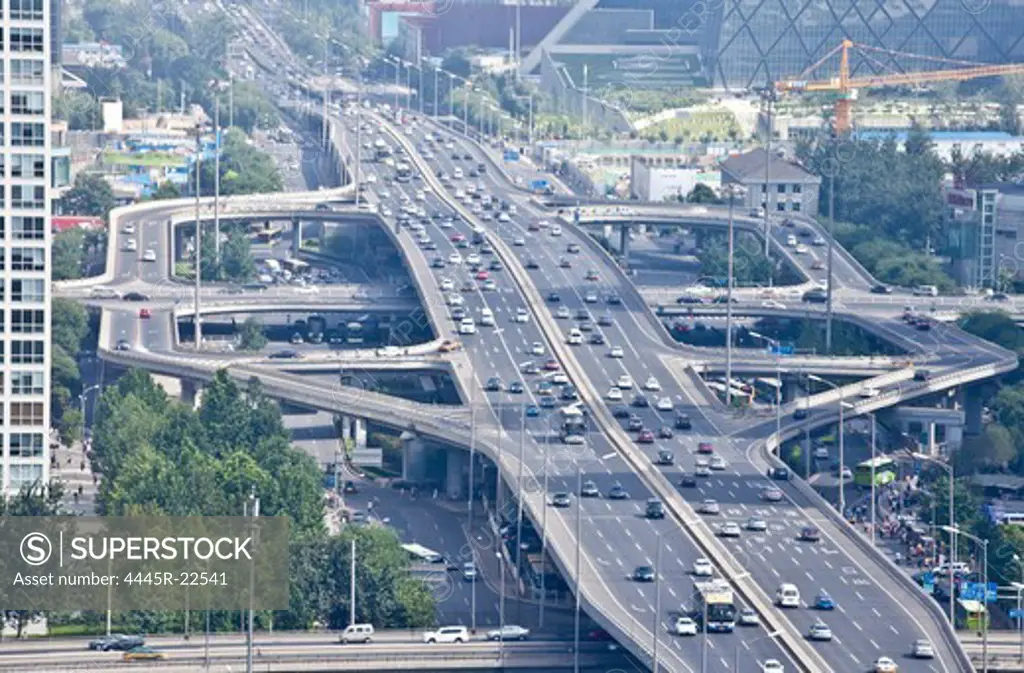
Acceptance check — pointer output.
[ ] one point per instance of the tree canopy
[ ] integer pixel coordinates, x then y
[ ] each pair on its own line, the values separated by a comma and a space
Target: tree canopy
90, 195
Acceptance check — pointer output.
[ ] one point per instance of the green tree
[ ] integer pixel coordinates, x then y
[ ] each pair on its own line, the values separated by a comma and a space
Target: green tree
250, 335
166, 190
701, 193
90, 195
252, 108
67, 256
70, 324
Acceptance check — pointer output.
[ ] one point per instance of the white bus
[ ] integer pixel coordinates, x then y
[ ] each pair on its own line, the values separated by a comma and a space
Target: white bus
420, 553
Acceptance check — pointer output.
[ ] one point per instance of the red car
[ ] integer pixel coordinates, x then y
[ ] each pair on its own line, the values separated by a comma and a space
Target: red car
144, 313
552, 365
645, 437
705, 448
458, 238
482, 275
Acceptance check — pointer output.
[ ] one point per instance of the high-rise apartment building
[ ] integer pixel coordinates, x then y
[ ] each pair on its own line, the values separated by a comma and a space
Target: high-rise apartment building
25, 235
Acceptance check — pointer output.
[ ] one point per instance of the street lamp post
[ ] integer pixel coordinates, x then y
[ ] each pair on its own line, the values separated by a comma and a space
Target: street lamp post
842, 441
544, 527
197, 320
1019, 586
579, 582
451, 96
984, 594
217, 87
951, 528
731, 192
777, 346
436, 111
82, 397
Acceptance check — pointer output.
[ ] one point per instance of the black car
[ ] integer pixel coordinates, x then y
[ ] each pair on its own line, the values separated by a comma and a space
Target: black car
495, 265
531, 263
922, 375
665, 432
778, 473
881, 289
493, 385
687, 299
286, 354
516, 387
635, 423
800, 414
640, 400
569, 394
665, 457
815, 297
688, 481
561, 500
923, 325
683, 422
118, 642
655, 509
614, 299
618, 493
467, 156
643, 574
136, 296
597, 339
620, 411
810, 534
554, 297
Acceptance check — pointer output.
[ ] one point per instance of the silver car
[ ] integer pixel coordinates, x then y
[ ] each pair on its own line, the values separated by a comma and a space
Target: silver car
509, 632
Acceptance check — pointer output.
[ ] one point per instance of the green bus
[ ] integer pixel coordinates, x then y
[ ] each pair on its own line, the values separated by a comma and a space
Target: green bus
884, 471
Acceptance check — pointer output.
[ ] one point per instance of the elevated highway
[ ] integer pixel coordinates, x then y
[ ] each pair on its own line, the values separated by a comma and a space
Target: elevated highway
882, 611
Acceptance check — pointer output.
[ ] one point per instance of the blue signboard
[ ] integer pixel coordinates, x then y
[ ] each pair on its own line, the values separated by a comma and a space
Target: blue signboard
538, 185
970, 591
781, 350
511, 155
992, 594
928, 582
1016, 614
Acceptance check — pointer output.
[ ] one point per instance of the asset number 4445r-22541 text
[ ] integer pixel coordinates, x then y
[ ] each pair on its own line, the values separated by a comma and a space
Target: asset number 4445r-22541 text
189, 579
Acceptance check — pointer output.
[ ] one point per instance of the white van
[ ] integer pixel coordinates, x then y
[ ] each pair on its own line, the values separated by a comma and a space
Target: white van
787, 596
926, 291
575, 337
357, 633
486, 317
791, 241
457, 173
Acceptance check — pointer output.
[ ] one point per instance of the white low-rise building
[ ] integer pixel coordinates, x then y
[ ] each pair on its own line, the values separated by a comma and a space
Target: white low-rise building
657, 181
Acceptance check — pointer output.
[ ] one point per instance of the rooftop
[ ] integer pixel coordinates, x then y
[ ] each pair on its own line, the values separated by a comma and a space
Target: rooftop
749, 167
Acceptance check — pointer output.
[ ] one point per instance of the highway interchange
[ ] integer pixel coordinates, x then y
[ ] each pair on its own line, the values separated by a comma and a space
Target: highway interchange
876, 616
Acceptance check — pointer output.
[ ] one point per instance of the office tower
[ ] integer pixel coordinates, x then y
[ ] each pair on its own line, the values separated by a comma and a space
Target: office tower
25, 233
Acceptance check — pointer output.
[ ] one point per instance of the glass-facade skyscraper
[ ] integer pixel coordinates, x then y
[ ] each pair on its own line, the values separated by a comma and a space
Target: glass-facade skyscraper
756, 41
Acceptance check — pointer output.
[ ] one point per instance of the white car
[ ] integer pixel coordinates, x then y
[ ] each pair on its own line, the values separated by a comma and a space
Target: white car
556, 230
614, 394
686, 627
616, 352
729, 529
473, 259
447, 634
149, 256
519, 241
455, 258
455, 300
772, 666
447, 285
710, 506
129, 229
420, 196
801, 249
575, 338
625, 382
771, 303
664, 404
702, 568
522, 315
559, 378
563, 312
537, 348
652, 384
131, 245
718, 463
885, 665
869, 392
467, 326
590, 298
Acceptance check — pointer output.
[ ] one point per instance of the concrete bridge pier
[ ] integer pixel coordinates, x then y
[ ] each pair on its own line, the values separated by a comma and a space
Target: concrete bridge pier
457, 473
624, 245
608, 230
178, 253
414, 457
191, 393
353, 429
972, 402
790, 388
296, 236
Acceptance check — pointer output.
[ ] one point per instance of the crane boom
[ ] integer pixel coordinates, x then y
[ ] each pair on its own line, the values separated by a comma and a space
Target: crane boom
846, 85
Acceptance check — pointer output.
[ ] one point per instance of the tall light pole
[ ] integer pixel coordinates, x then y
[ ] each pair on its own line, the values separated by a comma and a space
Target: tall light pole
217, 87
398, 70
254, 512
951, 528
83, 395
472, 485
842, 441
437, 112
197, 319
770, 96
358, 151
657, 605
579, 580
451, 96
352, 586
777, 348
829, 281
1019, 586
984, 593
544, 525
731, 190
